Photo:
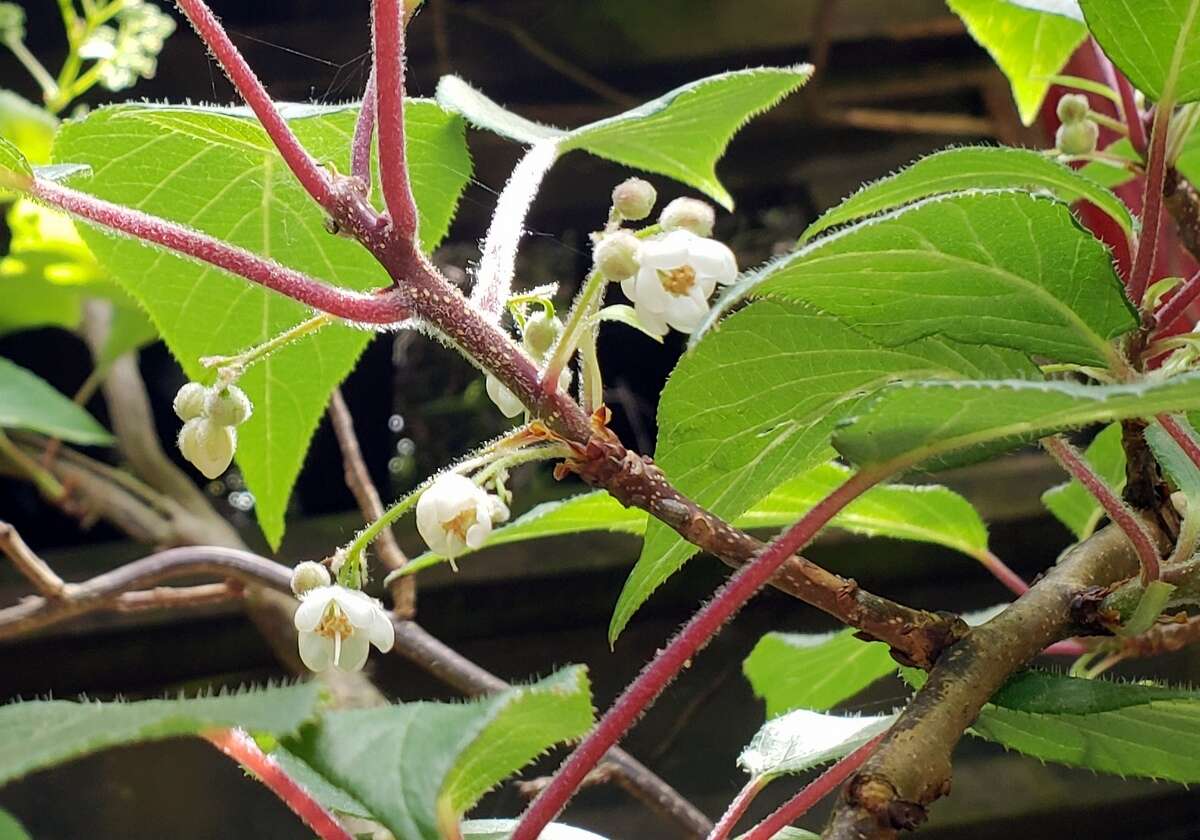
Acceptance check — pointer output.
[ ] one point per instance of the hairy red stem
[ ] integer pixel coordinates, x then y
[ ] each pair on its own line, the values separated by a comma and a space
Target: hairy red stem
362, 307
311, 175
239, 746
1069, 458
1182, 436
812, 793
659, 672
1177, 305
737, 808
364, 131
388, 29
1152, 205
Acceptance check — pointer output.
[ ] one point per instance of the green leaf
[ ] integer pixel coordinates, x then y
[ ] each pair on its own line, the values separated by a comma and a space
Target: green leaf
1182, 471
1071, 503
1001, 268
503, 829
801, 671
15, 172
418, 767
801, 740
1156, 43
1028, 45
972, 168
26, 126
925, 422
28, 402
42, 733
927, 513
753, 406
11, 828
218, 172
790, 833
1109, 174
681, 134
1126, 729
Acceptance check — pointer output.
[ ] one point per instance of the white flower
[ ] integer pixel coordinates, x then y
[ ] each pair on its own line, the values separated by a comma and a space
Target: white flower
455, 513
208, 446
678, 274
504, 399
337, 627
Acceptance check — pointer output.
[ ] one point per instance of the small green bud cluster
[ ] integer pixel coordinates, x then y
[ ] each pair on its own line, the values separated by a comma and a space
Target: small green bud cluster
129, 51
210, 416
1078, 134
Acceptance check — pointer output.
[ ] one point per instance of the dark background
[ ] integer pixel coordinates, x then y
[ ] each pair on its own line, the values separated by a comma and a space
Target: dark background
897, 80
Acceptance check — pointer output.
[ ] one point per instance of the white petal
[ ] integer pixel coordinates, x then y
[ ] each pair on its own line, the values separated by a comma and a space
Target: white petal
629, 288
700, 293
353, 654
312, 607
666, 252
652, 322
685, 315
497, 510
316, 652
713, 259
427, 522
454, 494
358, 606
504, 399
478, 533
650, 291
382, 633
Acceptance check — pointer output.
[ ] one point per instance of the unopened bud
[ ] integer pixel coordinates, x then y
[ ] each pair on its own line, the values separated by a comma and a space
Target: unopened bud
541, 331
207, 446
617, 255
634, 199
690, 215
1073, 107
12, 22
228, 407
309, 575
189, 401
1077, 138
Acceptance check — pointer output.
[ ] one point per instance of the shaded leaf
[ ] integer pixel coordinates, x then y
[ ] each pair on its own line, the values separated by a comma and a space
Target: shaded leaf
29, 402
218, 172
927, 422
418, 767
972, 168
1071, 503
42, 733
802, 671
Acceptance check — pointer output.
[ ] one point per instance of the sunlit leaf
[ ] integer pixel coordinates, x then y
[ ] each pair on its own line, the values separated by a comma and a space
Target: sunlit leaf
1156, 43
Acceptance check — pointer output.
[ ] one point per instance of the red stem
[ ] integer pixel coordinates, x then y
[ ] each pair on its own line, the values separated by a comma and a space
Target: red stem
311, 175
737, 808
812, 793
1177, 305
1067, 647
1000, 570
361, 307
388, 28
364, 129
1181, 435
239, 746
702, 626
1152, 205
1069, 458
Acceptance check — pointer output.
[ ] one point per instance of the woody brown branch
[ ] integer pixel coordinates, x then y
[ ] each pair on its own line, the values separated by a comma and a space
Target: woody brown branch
911, 768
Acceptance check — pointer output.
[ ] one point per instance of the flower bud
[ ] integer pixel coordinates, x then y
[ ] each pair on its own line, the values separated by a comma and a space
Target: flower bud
309, 575
504, 399
12, 22
688, 214
189, 401
1077, 138
634, 199
541, 331
1073, 107
208, 446
228, 407
617, 255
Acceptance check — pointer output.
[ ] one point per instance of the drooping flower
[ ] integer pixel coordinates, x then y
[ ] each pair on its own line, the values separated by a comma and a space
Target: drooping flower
337, 627
455, 514
676, 276
207, 445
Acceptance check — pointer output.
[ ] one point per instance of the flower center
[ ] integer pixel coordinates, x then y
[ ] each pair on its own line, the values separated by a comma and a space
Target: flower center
334, 623
678, 281
460, 524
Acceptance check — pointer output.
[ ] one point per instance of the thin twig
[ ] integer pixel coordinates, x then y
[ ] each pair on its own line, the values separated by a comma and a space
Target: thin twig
737, 808
1069, 458
239, 746
358, 479
37, 570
